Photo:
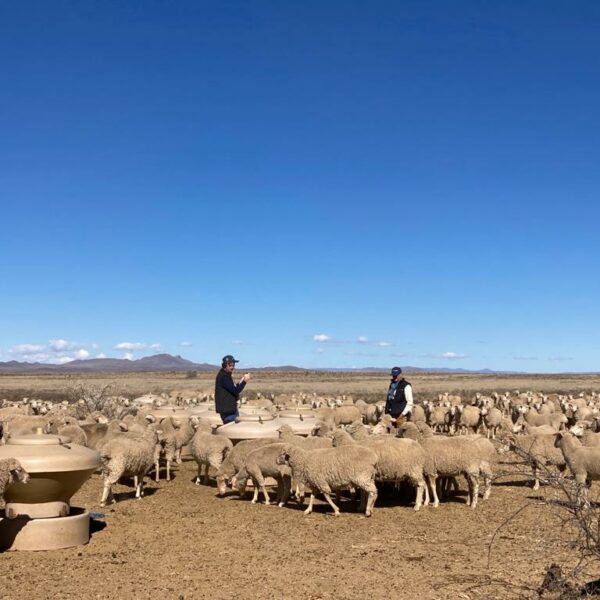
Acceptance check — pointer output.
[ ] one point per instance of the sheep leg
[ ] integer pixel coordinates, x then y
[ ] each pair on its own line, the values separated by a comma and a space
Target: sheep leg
168, 469
199, 475
371, 497
536, 479
178, 456
259, 483
135, 481
310, 503
255, 495
287, 486
106, 492
420, 493
139, 491
487, 480
433, 484
206, 480
473, 481
157, 469
336, 510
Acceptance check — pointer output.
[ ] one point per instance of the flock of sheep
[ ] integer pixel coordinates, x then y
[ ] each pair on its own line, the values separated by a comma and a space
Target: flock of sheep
353, 446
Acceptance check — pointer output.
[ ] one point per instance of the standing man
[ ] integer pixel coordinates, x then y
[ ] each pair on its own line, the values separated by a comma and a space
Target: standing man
226, 392
399, 397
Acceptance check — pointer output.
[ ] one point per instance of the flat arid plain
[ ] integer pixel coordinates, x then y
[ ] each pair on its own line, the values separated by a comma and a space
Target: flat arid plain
182, 541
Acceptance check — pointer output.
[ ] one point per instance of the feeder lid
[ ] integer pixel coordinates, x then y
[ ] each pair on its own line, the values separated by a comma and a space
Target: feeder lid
294, 414
44, 453
33, 439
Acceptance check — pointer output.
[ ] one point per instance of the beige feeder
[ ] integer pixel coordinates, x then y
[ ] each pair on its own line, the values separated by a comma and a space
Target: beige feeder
37, 515
302, 422
251, 426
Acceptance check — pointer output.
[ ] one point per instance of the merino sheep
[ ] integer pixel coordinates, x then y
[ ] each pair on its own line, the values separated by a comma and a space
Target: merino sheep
69, 428
327, 469
131, 455
468, 418
346, 414
261, 463
470, 456
10, 471
583, 461
492, 417
234, 461
540, 451
208, 450
175, 433
397, 460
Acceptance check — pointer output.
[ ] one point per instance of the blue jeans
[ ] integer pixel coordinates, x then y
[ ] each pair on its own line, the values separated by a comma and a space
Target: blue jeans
229, 417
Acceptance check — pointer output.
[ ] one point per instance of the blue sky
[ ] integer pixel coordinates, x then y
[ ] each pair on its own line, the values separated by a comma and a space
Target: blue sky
328, 184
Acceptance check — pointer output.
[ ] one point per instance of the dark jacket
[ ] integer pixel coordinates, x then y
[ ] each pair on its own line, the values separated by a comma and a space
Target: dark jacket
395, 405
226, 392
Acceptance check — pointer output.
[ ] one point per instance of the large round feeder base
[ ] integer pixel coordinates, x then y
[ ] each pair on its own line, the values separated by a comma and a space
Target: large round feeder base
45, 534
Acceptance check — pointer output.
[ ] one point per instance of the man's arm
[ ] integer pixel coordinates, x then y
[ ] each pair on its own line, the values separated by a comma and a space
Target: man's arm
409, 400
233, 388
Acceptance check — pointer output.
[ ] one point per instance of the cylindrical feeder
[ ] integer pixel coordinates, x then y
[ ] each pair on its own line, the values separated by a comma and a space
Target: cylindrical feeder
38, 515
302, 422
251, 426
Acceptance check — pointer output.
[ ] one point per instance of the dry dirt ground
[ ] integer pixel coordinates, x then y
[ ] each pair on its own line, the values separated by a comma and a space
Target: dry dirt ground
182, 541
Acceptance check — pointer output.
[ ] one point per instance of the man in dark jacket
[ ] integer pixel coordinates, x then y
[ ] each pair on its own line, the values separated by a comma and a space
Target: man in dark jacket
226, 392
399, 397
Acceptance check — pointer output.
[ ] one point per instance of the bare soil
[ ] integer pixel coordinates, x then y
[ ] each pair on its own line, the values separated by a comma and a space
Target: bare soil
182, 541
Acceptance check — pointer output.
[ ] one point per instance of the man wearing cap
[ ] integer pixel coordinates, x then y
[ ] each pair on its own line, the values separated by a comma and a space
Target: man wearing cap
226, 392
399, 397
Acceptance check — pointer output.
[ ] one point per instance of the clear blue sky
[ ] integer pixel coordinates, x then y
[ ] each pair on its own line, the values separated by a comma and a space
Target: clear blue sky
413, 183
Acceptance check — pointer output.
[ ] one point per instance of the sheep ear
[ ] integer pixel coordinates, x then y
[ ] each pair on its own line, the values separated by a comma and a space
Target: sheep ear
150, 418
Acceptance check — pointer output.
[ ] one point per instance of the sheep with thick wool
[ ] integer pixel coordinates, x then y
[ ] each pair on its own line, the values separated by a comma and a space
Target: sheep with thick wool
397, 460
208, 450
262, 463
325, 470
128, 455
11, 471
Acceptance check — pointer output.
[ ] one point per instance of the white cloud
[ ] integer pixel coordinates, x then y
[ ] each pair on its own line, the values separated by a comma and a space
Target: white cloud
130, 346
381, 344
128, 356
525, 357
321, 337
59, 344
560, 358
453, 355
133, 346
56, 351
185, 344
26, 348
237, 342
101, 355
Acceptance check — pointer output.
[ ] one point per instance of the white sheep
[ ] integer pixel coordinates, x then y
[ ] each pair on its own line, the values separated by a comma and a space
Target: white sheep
235, 460
11, 471
262, 463
397, 460
208, 450
327, 469
583, 461
492, 417
128, 455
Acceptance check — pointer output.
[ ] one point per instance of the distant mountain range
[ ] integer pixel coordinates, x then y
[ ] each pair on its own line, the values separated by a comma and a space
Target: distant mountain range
167, 362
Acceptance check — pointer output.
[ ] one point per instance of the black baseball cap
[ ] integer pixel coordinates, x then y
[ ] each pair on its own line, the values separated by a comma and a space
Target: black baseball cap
229, 359
396, 371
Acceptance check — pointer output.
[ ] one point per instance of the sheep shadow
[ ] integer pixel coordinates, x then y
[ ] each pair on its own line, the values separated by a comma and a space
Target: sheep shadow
130, 494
